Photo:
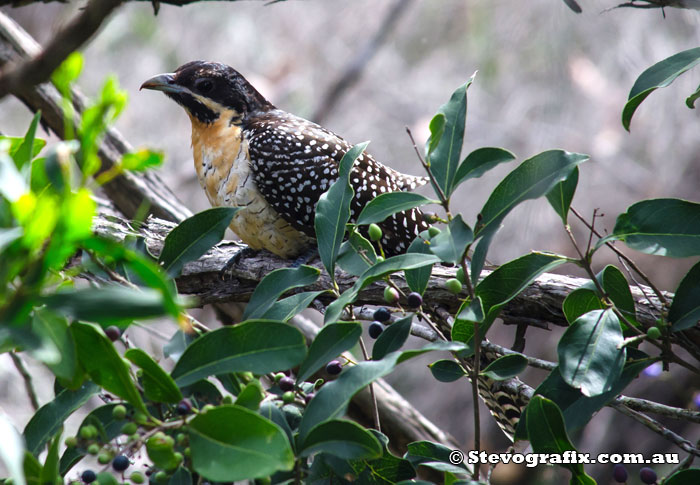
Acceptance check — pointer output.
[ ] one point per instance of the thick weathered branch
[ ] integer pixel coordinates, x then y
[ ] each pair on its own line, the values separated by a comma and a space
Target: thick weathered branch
128, 191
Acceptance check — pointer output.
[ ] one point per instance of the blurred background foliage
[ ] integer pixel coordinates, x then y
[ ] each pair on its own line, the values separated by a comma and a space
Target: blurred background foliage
548, 78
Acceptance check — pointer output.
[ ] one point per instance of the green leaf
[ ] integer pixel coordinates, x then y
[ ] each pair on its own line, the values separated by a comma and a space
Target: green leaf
341, 438
451, 244
331, 341
51, 416
663, 227
100, 359
141, 160
193, 237
657, 76
424, 452
418, 279
49, 472
106, 478
547, 434
273, 285
269, 410
161, 453
392, 338
589, 357
349, 258
562, 194
333, 397
532, 179
286, 308
258, 346
685, 308
480, 251
481, 161
67, 72
579, 302
469, 313
55, 328
333, 211
30, 146
447, 370
684, 477
12, 451
444, 158
505, 367
615, 285
158, 386
390, 203
377, 272
437, 129
108, 304
690, 100
251, 396
182, 476
231, 443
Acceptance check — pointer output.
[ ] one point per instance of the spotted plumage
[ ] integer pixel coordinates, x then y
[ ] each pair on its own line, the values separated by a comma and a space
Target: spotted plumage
273, 164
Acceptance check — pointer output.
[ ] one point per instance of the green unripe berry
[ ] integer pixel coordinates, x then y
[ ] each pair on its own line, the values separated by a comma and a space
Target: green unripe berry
181, 438
88, 432
119, 411
460, 276
104, 458
453, 285
140, 418
139, 373
288, 397
375, 232
71, 442
246, 376
654, 332
161, 477
93, 449
391, 295
129, 428
187, 452
137, 477
379, 259
279, 376
227, 399
134, 437
207, 408
178, 457
433, 231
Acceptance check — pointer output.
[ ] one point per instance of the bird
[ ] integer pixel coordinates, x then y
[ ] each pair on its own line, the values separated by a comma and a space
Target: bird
275, 165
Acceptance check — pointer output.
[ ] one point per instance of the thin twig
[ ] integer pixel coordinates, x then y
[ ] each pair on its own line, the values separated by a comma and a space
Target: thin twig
28, 385
441, 195
375, 410
74, 35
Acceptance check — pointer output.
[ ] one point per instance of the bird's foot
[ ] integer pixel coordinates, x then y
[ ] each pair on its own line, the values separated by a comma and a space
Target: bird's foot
305, 257
246, 252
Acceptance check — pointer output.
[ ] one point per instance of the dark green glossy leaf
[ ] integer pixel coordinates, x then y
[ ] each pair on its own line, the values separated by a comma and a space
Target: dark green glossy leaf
447, 370
193, 237
562, 194
107, 305
547, 434
55, 329
444, 158
51, 416
579, 302
333, 211
532, 179
331, 341
392, 338
158, 386
355, 253
251, 396
269, 410
30, 146
177, 344
657, 76
663, 227
469, 313
589, 358
417, 279
615, 285
274, 284
182, 476
100, 359
685, 308
451, 244
480, 251
420, 452
390, 203
344, 439
690, 100
481, 161
437, 129
258, 346
231, 443
49, 472
505, 367
376, 272
286, 308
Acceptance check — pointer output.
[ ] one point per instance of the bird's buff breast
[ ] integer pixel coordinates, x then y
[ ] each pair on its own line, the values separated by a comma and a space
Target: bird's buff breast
223, 169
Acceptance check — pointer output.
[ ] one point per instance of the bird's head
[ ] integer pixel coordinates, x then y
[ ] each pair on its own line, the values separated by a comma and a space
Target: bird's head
209, 91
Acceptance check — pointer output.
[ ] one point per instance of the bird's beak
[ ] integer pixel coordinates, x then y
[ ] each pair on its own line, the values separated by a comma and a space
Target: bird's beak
163, 82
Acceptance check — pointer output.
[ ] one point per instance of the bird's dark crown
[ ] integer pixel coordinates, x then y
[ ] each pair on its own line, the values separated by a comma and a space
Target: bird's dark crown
205, 89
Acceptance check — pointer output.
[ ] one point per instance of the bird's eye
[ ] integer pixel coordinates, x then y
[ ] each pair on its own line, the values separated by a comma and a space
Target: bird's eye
204, 86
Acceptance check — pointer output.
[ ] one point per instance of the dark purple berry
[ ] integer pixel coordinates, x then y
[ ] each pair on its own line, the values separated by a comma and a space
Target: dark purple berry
286, 384
113, 332
120, 463
309, 397
620, 473
647, 475
184, 407
334, 367
88, 476
375, 329
382, 314
414, 300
